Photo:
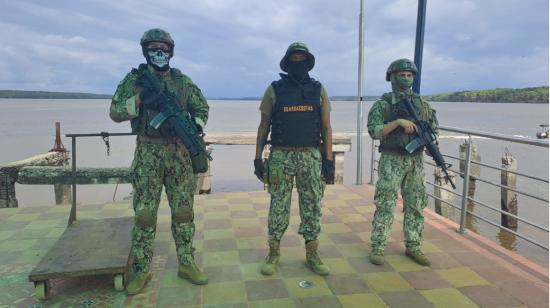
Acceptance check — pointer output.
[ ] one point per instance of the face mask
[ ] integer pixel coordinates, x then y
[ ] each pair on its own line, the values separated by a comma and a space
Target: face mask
158, 58
298, 69
402, 83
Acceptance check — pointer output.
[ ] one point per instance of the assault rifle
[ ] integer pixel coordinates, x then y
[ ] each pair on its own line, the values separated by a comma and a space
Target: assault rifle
425, 137
173, 115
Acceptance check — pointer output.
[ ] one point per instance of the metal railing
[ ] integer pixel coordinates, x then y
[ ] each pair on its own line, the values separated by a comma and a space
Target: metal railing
72, 214
465, 199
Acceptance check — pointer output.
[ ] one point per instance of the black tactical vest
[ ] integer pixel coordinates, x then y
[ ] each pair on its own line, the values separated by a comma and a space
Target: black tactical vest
296, 117
397, 139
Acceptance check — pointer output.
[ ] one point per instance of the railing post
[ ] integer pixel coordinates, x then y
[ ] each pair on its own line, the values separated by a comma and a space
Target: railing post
465, 187
372, 153
72, 215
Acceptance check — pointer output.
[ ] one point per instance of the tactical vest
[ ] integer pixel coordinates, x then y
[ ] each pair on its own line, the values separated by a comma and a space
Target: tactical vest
174, 82
397, 139
296, 117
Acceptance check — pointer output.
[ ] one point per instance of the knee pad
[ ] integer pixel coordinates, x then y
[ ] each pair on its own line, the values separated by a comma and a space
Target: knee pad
184, 215
145, 219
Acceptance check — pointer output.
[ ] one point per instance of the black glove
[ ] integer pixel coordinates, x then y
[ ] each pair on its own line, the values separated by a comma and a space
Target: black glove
327, 171
259, 169
147, 95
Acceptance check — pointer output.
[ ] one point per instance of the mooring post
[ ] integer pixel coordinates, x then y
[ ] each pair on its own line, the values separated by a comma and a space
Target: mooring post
475, 169
441, 191
464, 206
62, 192
508, 198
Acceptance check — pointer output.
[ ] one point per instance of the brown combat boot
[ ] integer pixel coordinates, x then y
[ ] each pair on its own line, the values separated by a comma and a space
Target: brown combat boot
272, 260
376, 256
313, 261
191, 272
418, 256
138, 282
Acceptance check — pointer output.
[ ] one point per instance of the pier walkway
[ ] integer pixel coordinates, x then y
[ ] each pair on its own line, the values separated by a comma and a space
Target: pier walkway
467, 270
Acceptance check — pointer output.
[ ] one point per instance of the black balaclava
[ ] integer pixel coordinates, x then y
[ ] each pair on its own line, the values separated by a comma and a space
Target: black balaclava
298, 69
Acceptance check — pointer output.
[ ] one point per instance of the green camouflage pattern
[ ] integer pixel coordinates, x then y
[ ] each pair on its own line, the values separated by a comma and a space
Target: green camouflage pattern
188, 94
305, 167
156, 35
156, 165
381, 113
400, 65
405, 172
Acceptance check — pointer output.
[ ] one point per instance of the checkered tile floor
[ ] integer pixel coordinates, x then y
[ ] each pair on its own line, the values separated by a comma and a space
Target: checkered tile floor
466, 271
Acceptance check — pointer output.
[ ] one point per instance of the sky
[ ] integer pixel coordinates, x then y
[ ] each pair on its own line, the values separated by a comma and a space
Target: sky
232, 48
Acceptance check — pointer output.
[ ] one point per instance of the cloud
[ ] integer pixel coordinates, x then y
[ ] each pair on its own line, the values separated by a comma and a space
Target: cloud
232, 47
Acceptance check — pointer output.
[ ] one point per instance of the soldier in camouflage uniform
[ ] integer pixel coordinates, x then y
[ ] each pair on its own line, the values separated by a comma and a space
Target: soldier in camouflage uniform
160, 159
296, 109
397, 168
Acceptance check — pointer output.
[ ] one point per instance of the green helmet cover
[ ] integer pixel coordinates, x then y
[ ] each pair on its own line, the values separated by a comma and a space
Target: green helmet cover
294, 47
401, 65
156, 35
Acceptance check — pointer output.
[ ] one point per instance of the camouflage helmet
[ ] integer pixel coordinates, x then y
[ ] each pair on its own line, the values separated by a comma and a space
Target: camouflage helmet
294, 47
401, 65
156, 35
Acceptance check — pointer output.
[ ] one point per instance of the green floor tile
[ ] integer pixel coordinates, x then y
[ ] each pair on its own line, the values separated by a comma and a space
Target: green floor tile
319, 288
24, 217
32, 256
354, 250
4, 235
274, 303
339, 266
252, 243
361, 301
335, 228
221, 258
16, 245
462, 277
45, 224
55, 232
428, 247
404, 264
386, 282
447, 298
218, 234
224, 293
216, 215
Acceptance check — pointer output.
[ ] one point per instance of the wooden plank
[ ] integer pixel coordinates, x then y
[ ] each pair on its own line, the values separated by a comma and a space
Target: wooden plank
88, 247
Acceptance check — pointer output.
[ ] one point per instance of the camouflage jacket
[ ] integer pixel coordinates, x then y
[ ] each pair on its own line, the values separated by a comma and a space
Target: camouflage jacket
123, 104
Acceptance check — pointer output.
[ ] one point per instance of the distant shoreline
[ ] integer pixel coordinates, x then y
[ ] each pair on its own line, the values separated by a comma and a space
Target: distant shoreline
533, 95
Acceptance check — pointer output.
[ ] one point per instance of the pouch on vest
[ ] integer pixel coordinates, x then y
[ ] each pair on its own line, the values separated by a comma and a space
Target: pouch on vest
199, 162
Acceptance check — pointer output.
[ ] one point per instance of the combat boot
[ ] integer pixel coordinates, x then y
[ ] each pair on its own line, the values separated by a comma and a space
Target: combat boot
313, 261
191, 272
272, 259
417, 256
137, 283
376, 256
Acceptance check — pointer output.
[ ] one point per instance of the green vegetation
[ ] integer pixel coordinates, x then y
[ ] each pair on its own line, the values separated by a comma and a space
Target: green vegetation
538, 95
51, 95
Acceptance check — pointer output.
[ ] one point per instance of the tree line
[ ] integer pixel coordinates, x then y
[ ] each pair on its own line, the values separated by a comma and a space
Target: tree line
535, 95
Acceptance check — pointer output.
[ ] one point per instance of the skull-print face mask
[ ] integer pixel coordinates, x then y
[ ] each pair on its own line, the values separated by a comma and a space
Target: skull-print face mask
158, 58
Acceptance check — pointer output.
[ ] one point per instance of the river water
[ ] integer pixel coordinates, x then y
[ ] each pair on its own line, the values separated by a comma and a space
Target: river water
27, 128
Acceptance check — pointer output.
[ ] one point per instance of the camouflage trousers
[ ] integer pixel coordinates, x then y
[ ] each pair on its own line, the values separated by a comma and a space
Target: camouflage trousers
406, 172
155, 166
304, 166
